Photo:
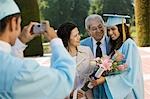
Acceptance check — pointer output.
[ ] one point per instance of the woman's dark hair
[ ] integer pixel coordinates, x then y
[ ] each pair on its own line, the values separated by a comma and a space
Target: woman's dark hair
4, 21
116, 44
64, 32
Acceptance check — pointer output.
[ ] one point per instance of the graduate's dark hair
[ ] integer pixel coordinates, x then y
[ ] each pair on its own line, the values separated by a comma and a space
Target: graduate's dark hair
64, 32
6, 20
116, 44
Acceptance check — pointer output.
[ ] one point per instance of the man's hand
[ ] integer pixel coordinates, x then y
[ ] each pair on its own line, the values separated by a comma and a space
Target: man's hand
27, 34
49, 32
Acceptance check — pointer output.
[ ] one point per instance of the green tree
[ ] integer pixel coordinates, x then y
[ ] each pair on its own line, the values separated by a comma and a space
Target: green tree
142, 16
30, 12
60, 11
43, 4
118, 7
79, 13
96, 7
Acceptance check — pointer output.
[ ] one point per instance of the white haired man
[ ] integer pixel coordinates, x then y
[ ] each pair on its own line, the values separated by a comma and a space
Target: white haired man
99, 44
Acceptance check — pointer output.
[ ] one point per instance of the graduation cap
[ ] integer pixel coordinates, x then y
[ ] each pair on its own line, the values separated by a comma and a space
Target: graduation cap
115, 20
8, 7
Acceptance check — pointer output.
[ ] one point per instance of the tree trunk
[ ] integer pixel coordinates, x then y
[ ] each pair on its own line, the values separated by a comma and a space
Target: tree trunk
30, 12
142, 16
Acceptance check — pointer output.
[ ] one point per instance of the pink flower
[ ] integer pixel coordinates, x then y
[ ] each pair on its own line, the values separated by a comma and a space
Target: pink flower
110, 65
118, 56
106, 62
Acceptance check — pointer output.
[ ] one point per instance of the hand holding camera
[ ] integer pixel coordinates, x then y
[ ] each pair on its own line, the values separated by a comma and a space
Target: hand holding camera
39, 28
45, 29
27, 35
49, 31
34, 29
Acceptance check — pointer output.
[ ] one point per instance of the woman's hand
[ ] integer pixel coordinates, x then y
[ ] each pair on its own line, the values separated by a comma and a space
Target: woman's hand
99, 81
80, 94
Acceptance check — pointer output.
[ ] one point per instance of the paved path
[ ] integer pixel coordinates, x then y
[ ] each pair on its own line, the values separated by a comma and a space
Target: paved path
145, 55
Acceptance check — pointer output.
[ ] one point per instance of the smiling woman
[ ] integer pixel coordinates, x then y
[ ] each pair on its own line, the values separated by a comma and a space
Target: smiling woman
129, 84
70, 36
113, 32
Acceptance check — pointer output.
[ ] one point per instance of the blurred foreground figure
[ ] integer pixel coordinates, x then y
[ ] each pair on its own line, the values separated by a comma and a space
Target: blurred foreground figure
26, 79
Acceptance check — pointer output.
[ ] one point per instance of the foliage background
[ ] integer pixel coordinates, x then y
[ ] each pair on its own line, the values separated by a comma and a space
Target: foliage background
60, 11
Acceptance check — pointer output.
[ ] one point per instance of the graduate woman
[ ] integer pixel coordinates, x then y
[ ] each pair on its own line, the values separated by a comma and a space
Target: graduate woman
128, 84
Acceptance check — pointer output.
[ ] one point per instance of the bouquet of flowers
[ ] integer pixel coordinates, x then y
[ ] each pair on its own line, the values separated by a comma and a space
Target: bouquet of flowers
106, 66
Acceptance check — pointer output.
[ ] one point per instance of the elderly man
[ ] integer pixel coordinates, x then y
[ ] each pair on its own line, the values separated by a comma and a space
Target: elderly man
26, 79
99, 44
98, 40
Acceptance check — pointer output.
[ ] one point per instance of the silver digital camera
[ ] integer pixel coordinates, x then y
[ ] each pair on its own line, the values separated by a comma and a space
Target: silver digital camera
39, 28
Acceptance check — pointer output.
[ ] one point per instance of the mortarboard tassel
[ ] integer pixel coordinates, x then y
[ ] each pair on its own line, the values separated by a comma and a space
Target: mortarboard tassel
123, 30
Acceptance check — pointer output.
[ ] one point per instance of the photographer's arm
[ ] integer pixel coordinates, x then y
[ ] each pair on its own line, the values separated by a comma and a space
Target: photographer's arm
18, 48
25, 36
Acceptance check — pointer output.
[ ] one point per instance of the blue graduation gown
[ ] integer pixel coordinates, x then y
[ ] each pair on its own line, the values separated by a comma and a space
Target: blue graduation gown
129, 84
25, 79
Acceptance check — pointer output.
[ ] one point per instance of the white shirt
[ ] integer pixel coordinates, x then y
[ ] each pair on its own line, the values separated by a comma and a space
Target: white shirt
18, 48
5, 47
102, 46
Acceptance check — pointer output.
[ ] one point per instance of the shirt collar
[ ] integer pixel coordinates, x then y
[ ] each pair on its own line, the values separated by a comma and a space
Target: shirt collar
102, 41
5, 47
